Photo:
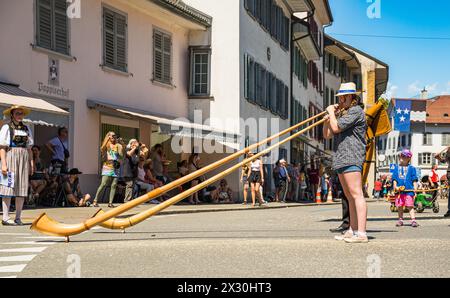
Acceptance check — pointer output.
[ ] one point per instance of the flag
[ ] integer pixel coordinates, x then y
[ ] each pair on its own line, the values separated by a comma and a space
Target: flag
402, 115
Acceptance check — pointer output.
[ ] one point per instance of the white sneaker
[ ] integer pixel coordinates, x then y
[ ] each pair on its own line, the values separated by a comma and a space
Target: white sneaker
357, 239
344, 236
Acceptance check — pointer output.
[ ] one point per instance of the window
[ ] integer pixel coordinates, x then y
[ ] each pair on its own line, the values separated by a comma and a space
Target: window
427, 139
162, 57
446, 139
200, 71
114, 40
271, 17
425, 159
52, 25
263, 88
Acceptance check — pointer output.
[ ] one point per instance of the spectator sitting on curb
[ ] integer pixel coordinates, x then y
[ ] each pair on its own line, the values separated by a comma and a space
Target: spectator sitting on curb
73, 191
223, 194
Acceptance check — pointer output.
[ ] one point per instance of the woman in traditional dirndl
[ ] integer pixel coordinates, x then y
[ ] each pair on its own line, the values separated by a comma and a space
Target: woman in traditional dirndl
16, 141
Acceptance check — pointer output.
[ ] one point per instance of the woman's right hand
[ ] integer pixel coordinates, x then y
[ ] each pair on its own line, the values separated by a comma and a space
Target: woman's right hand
332, 109
4, 170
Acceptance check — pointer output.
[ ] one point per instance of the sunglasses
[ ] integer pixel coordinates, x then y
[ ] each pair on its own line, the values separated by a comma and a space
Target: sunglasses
19, 113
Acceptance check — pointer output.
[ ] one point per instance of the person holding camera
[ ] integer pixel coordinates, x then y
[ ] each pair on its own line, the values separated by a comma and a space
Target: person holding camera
129, 168
112, 156
59, 152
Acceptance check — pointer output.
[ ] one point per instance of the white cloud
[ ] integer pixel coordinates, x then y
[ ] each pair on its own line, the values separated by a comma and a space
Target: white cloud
432, 88
414, 88
391, 91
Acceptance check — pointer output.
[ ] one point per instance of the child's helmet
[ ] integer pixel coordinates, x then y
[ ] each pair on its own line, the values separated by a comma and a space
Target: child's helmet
406, 153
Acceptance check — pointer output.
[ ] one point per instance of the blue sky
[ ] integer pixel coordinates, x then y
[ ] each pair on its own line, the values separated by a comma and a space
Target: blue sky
414, 63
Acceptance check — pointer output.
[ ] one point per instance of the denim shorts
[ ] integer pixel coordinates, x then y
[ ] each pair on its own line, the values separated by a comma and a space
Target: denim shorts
349, 169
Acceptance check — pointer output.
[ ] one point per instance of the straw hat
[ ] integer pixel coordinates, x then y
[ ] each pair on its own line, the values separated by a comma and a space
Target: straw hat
347, 88
8, 111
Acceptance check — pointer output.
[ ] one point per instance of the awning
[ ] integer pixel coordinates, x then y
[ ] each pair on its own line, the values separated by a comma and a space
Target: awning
334, 47
11, 94
168, 125
43, 113
303, 37
300, 5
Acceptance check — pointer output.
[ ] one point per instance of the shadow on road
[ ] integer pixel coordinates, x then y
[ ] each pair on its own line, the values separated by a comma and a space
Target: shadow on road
387, 219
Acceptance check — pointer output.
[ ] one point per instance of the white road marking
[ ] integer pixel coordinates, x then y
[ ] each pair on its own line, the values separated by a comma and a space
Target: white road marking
8, 276
13, 268
44, 237
15, 234
25, 258
30, 243
26, 249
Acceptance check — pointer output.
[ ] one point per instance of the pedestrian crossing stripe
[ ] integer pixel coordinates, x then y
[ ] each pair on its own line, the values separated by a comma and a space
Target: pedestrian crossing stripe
12, 269
24, 258
24, 249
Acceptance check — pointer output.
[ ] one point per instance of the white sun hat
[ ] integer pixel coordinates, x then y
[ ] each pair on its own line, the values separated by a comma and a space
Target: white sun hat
347, 88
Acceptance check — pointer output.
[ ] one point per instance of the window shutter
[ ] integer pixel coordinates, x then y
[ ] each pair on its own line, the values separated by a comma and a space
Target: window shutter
273, 97
109, 46
257, 83
246, 67
61, 43
251, 85
273, 25
167, 58
157, 56
286, 102
121, 41
268, 89
44, 23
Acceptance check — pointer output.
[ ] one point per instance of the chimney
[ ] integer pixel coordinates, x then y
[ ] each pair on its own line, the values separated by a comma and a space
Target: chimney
424, 93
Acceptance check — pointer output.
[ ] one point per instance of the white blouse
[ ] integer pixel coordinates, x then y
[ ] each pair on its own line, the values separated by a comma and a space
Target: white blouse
256, 165
5, 139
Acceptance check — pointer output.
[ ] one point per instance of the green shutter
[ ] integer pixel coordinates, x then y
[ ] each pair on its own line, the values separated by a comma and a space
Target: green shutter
162, 57
246, 67
44, 24
167, 59
114, 40
108, 38
61, 43
121, 41
157, 55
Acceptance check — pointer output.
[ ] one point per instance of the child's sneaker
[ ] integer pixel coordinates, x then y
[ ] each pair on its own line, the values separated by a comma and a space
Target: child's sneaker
414, 224
399, 223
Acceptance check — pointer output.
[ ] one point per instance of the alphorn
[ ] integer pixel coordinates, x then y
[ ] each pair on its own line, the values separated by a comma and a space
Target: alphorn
124, 223
46, 225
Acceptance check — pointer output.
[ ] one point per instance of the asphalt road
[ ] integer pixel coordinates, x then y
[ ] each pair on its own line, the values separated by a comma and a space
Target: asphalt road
290, 242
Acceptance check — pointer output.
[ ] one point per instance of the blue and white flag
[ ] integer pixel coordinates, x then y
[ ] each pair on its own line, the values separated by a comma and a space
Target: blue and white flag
402, 115
8, 180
